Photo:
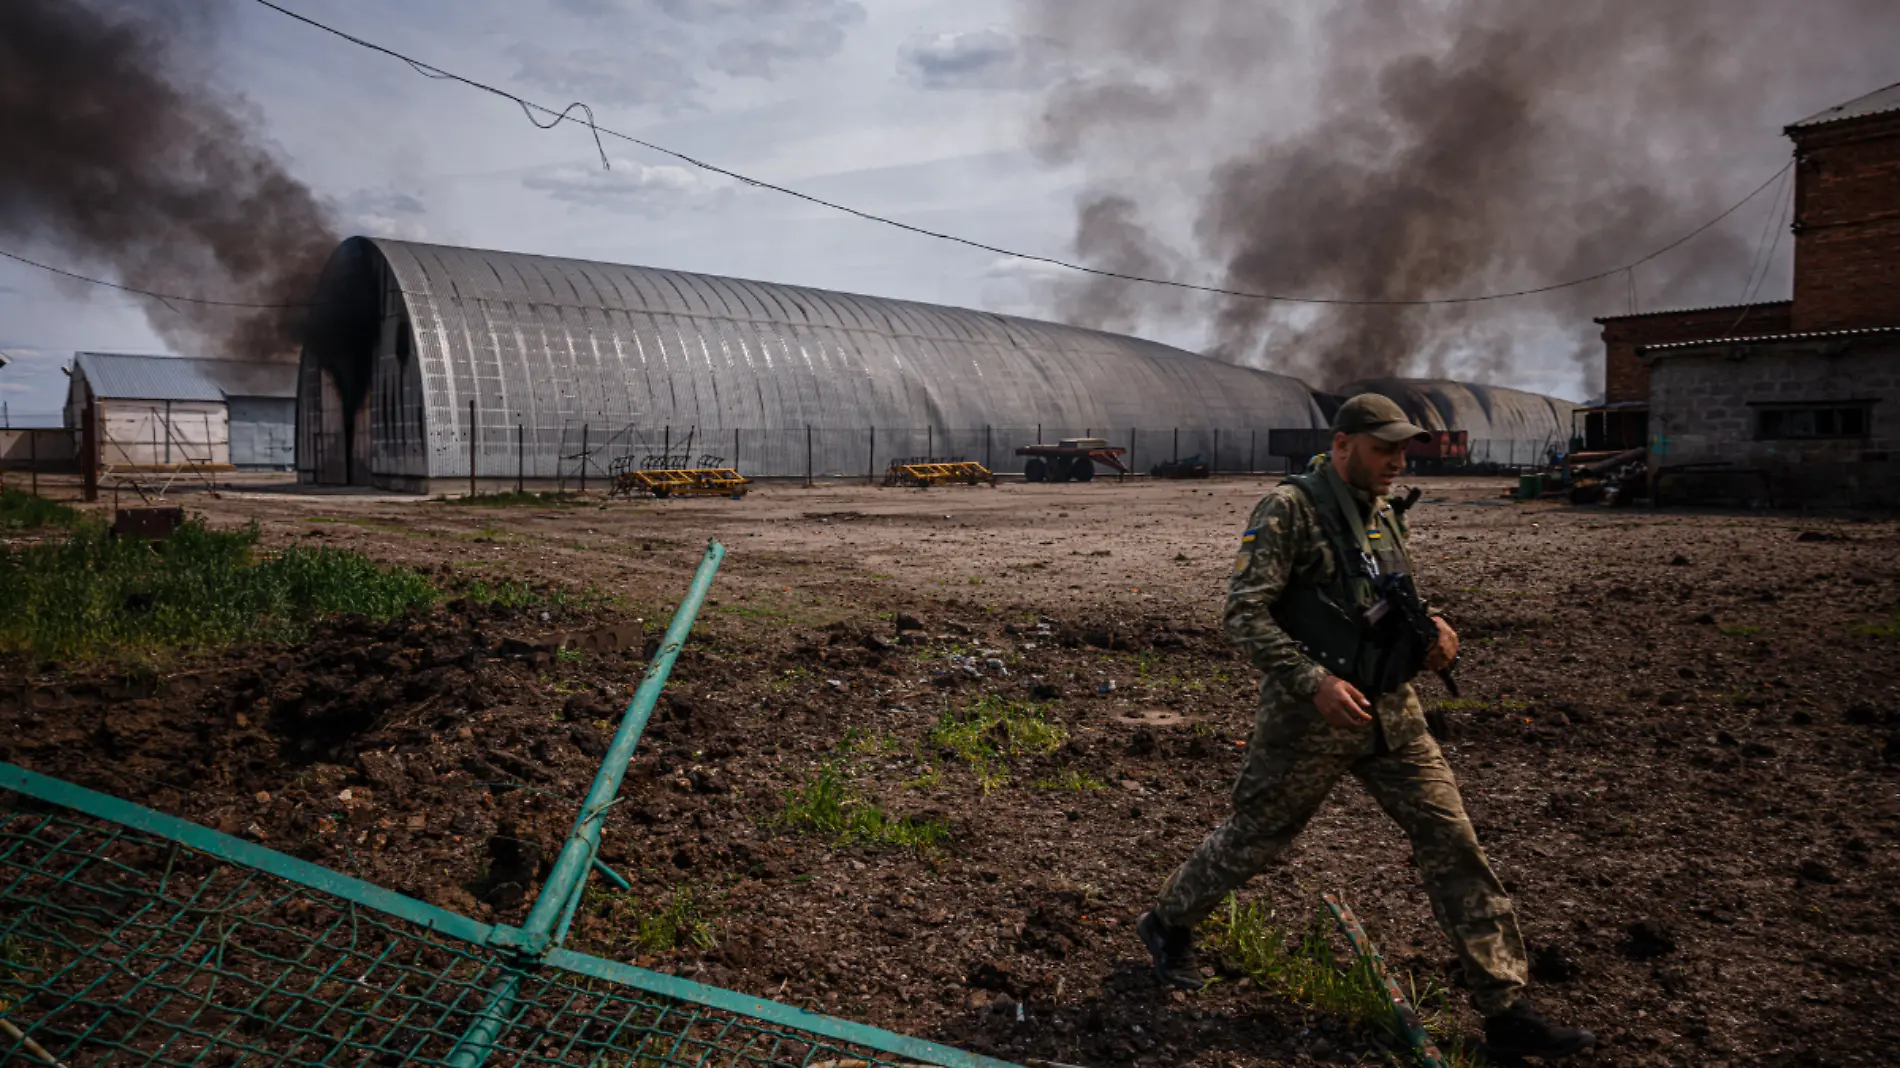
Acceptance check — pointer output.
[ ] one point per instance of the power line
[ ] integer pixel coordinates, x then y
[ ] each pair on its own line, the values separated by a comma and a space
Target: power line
556, 117
165, 297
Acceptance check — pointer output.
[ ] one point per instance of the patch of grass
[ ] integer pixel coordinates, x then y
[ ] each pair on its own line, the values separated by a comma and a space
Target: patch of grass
995, 730
1305, 969
20, 510
857, 741
679, 920
88, 595
566, 655
1072, 780
829, 805
1479, 704
513, 594
788, 678
1889, 629
20, 965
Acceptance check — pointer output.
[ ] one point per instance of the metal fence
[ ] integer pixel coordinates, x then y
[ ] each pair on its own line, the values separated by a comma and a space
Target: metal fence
576, 453
131, 937
581, 453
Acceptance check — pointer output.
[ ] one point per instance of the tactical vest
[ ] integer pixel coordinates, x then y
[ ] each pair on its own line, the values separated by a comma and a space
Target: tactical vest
1329, 619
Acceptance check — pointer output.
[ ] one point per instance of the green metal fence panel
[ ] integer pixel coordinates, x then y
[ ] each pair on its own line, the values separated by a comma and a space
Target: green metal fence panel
129, 937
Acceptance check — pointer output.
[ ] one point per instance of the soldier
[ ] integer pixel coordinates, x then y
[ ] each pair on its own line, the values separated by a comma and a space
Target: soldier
1301, 584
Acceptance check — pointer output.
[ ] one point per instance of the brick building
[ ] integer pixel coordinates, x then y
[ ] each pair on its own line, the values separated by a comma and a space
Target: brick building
1783, 400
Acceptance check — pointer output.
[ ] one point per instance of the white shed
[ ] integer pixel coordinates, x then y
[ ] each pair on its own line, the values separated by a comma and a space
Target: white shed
171, 412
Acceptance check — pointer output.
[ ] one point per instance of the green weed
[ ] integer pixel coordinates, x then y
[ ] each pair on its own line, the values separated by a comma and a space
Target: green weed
20, 965
1889, 629
829, 805
26, 511
1306, 970
869, 743
88, 595
1479, 704
787, 679
680, 920
1072, 780
995, 730
570, 656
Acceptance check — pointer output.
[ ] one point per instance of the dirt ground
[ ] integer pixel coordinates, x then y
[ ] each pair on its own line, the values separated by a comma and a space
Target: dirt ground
1680, 741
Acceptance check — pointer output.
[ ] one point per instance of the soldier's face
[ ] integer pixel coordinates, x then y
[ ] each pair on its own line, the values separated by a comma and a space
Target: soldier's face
1373, 465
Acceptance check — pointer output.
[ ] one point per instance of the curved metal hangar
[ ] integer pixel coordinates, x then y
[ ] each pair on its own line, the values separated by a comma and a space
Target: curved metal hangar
423, 358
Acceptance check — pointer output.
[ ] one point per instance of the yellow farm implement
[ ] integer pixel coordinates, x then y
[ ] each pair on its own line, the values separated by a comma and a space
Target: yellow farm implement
680, 482
926, 473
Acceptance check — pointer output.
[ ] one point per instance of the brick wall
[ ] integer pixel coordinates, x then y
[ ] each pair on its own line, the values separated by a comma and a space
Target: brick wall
1626, 377
1703, 406
1847, 224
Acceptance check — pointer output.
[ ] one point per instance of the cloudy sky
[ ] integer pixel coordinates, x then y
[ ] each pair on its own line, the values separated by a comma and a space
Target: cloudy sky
924, 110
906, 107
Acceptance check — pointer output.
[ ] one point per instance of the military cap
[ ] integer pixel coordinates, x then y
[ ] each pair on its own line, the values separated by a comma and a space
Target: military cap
1370, 413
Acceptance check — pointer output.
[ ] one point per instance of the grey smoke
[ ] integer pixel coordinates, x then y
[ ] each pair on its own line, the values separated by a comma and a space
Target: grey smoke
1428, 149
123, 159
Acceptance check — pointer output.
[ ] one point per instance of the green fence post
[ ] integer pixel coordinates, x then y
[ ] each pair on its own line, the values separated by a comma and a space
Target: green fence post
570, 869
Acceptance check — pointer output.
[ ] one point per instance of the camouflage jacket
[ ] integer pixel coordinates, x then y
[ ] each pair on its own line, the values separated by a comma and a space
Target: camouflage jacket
1284, 542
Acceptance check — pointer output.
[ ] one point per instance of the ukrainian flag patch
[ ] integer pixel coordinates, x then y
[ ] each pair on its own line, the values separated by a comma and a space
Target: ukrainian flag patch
1373, 535
1247, 538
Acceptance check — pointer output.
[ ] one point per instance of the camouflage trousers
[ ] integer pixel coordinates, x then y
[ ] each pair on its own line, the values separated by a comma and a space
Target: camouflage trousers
1288, 774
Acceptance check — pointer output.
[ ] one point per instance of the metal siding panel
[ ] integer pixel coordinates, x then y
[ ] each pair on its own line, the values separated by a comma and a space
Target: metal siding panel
565, 342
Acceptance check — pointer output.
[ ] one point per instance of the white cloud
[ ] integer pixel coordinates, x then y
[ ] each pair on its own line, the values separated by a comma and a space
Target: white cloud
761, 53
633, 187
642, 76
1019, 268
980, 59
704, 11
386, 213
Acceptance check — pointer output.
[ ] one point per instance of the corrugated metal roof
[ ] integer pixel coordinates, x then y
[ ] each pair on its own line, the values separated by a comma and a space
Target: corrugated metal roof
125, 376
1878, 102
554, 343
1691, 311
1761, 339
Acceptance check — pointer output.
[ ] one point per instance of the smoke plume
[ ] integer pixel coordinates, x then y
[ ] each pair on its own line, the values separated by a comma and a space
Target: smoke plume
123, 160
1422, 149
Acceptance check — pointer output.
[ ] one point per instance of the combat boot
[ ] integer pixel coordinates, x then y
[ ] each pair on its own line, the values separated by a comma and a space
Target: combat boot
1172, 948
1520, 1031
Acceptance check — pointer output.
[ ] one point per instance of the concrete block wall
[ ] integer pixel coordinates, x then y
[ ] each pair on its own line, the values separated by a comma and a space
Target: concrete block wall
1847, 224
1626, 376
1703, 410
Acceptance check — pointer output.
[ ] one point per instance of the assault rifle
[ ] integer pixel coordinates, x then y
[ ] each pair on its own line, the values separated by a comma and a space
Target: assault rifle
1400, 624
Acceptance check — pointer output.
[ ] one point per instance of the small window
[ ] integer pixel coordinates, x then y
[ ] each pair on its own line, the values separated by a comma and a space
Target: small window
1801, 422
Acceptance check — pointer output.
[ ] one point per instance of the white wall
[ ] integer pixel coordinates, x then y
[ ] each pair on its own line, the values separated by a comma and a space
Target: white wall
163, 433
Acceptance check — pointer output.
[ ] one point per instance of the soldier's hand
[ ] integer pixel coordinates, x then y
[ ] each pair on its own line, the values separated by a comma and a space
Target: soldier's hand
1446, 650
1342, 704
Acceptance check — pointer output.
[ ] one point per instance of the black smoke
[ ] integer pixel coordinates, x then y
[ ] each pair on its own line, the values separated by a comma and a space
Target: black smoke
1421, 149
121, 158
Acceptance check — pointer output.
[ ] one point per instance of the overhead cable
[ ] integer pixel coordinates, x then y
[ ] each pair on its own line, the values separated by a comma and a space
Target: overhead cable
556, 117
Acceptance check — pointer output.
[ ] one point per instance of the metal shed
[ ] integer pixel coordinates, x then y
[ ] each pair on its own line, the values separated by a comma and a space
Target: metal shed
157, 412
422, 359
1508, 426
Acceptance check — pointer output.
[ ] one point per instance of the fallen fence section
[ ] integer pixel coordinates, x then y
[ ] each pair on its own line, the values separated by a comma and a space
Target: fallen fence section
129, 937
1407, 1016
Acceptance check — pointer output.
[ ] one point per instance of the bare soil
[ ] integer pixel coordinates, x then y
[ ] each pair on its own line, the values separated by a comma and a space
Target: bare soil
1680, 740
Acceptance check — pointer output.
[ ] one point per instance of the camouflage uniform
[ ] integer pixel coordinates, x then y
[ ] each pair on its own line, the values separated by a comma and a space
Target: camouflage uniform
1295, 757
